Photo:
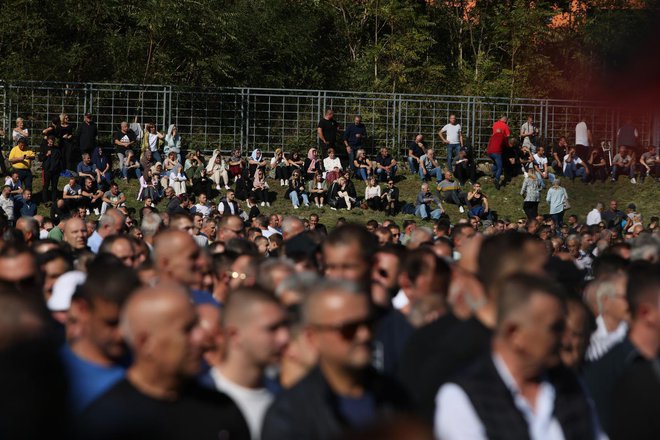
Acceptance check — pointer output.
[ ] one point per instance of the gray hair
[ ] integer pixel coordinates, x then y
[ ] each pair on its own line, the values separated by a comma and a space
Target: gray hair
106, 220
300, 283
151, 224
266, 269
645, 247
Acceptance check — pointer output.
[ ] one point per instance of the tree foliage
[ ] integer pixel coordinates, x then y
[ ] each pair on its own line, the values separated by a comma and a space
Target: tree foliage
485, 47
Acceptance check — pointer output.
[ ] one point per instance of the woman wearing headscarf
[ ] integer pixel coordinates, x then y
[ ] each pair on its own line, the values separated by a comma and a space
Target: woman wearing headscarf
173, 142
236, 163
178, 180
312, 164
256, 160
217, 169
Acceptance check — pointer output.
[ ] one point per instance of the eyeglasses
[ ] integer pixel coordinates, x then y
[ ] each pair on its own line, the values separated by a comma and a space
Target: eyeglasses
347, 330
237, 275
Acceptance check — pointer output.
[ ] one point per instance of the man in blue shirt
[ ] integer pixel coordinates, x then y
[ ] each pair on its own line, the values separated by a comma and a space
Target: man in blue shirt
25, 206
95, 358
354, 136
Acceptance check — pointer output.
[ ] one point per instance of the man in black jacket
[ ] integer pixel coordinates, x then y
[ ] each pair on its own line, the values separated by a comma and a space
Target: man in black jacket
343, 393
519, 389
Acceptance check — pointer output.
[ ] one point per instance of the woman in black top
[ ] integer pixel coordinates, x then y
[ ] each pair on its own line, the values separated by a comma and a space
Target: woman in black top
390, 198
65, 134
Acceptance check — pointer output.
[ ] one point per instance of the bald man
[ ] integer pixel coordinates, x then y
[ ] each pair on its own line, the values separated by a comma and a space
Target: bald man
157, 399
75, 234
343, 392
254, 326
177, 257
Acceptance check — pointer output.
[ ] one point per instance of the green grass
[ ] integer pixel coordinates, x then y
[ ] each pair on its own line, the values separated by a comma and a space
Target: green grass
507, 202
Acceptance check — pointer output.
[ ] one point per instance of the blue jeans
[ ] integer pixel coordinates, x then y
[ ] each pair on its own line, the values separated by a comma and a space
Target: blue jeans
156, 157
618, 170
124, 172
362, 173
551, 178
452, 152
380, 173
572, 171
412, 165
422, 211
437, 172
479, 211
293, 195
497, 169
351, 158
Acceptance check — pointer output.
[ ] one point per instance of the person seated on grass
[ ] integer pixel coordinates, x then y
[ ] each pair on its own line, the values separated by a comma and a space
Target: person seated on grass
429, 167
296, 190
92, 196
339, 195
427, 205
478, 203
86, 168
260, 187
113, 198
131, 163
623, 163
257, 161
574, 166
280, 164
390, 198
317, 188
465, 168
416, 149
372, 195
362, 165
178, 179
451, 191
332, 166
385, 165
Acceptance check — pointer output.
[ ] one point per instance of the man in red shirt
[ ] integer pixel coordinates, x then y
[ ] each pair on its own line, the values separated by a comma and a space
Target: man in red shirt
502, 126
494, 151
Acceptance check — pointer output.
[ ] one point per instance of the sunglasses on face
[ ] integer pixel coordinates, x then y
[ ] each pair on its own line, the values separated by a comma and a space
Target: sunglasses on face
347, 330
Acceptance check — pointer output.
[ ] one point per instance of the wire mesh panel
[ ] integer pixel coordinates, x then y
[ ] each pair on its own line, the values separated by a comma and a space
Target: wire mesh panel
247, 118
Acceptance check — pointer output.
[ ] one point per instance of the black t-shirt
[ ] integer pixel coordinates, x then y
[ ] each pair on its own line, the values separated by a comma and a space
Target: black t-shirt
125, 413
384, 161
597, 157
87, 136
416, 150
559, 151
329, 129
129, 136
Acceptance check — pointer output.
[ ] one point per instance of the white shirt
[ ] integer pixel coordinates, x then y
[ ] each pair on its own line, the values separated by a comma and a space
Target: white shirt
153, 142
205, 210
456, 418
371, 192
601, 341
593, 218
453, 132
331, 164
576, 161
541, 161
221, 208
400, 300
270, 231
582, 134
253, 402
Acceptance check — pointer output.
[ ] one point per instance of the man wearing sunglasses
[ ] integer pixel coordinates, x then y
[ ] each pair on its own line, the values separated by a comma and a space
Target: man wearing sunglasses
343, 392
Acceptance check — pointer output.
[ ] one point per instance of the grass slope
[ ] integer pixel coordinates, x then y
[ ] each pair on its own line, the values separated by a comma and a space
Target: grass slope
507, 202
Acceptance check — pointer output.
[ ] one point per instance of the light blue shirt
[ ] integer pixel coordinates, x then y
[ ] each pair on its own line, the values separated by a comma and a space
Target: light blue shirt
94, 242
556, 198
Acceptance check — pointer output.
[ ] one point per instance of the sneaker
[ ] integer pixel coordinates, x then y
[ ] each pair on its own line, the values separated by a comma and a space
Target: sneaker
633, 181
461, 209
96, 211
227, 187
286, 182
217, 187
306, 205
87, 212
263, 203
296, 206
321, 205
267, 203
333, 208
281, 182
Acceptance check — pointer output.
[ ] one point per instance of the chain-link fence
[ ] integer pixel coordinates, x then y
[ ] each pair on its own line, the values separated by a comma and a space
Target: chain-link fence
247, 118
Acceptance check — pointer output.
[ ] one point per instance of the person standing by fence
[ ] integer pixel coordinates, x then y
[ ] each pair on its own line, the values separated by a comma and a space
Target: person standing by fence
454, 140
327, 131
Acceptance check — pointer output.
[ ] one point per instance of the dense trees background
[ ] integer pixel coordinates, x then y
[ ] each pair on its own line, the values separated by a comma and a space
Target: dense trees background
487, 47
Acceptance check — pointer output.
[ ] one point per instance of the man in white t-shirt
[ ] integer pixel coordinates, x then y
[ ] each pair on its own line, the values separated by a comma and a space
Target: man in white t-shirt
574, 166
254, 336
454, 140
540, 164
583, 139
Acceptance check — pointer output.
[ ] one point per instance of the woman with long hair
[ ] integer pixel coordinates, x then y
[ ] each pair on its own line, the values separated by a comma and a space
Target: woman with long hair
372, 194
217, 169
362, 165
152, 140
260, 187
296, 190
318, 188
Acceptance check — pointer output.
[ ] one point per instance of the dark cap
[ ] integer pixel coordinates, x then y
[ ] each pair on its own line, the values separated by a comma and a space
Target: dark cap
632, 206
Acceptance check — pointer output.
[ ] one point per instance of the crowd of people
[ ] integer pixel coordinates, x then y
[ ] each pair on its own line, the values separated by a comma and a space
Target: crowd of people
218, 321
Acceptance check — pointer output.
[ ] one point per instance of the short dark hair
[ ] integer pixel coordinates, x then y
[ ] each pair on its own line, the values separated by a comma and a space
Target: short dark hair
516, 290
354, 233
643, 284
